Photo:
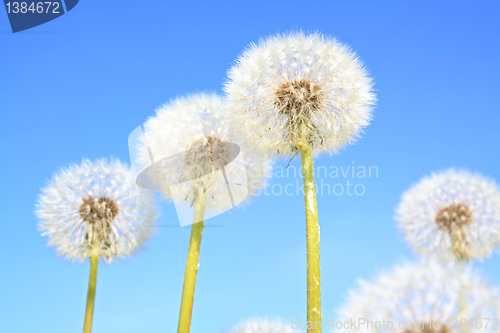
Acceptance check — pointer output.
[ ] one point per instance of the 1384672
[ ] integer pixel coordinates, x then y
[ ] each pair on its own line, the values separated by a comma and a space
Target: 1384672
41, 7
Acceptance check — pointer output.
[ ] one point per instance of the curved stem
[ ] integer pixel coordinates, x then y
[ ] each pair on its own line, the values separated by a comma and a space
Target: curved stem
89, 311
192, 265
312, 234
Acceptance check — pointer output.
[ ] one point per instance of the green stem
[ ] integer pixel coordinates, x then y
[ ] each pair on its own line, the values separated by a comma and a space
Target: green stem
312, 234
462, 301
89, 311
192, 265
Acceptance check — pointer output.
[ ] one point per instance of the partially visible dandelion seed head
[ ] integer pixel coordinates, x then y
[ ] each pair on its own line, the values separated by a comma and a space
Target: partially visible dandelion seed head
452, 214
95, 203
416, 295
291, 82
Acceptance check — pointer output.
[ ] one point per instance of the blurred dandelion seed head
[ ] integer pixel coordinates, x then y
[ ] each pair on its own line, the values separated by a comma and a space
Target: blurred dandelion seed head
451, 214
95, 203
422, 293
299, 80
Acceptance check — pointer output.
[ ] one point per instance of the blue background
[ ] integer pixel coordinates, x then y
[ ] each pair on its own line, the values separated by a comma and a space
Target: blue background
77, 86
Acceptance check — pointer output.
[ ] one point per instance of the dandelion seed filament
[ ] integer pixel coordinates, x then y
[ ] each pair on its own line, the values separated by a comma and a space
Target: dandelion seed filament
297, 100
98, 213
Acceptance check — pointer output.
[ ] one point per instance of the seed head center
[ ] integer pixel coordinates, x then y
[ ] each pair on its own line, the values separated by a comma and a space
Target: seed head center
206, 155
455, 215
94, 210
453, 219
207, 150
296, 101
297, 95
98, 213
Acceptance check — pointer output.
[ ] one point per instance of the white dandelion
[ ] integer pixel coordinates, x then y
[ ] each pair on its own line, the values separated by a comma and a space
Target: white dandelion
191, 138
95, 202
300, 93
264, 326
423, 297
190, 141
452, 214
297, 80
95, 210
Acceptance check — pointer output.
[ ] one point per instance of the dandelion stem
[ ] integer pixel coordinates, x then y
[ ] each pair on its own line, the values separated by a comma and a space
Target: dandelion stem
462, 302
192, 265
312, 234
89, 311
462, 310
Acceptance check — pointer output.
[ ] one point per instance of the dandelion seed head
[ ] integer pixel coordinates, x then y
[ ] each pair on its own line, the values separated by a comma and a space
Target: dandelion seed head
451, 214
191, 139
95, 207
299, 81
422, 294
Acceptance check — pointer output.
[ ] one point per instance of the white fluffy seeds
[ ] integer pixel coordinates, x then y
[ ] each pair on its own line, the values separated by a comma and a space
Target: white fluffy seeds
288, 81
179, 134
412, 296
95, 206
452, 214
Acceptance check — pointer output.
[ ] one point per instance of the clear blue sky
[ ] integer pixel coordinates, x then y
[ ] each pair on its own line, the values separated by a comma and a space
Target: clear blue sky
75, 87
